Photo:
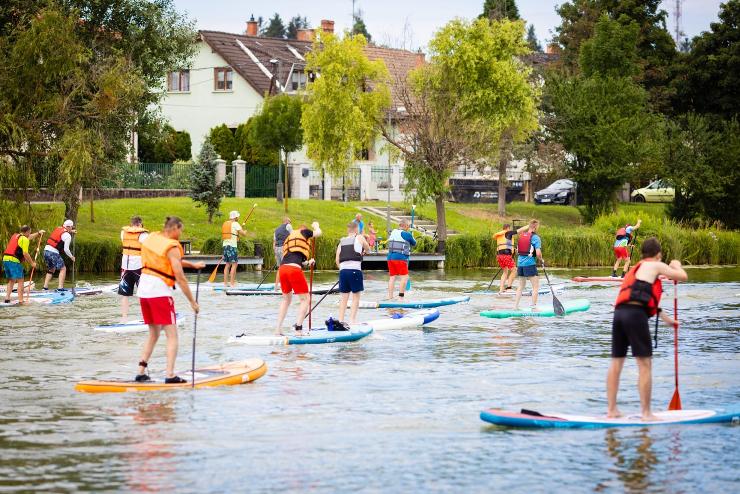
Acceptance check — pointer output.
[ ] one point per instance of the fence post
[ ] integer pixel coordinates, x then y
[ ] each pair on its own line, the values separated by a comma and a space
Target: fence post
220, 170
240, 177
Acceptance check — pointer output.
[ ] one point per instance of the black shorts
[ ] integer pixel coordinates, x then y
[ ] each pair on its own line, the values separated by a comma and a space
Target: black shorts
129, 280
631, 328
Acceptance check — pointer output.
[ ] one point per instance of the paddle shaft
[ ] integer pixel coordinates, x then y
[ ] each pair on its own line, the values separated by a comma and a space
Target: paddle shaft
322, 298
74, 265
266, 275
35, 257
212, 278
675, 403
195, 329
310, 284
557, 306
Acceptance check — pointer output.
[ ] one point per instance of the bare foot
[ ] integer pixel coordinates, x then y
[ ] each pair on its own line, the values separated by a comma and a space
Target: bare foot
614, 414
649, 417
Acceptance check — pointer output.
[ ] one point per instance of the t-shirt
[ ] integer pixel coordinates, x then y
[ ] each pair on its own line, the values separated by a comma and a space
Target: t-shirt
23, 243
297, 257
132, 263
151, 286
353, 264
67, 239
508, 235
360, 226
232, 241
624, 241
526, 260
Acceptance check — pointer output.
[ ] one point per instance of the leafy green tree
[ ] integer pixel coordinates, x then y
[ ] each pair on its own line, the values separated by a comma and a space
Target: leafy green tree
274, 28
612, 51
500, 9
160, 143
359, 27
203, 187
345, 103
532, 40
278, 127
250, 149
223, 142
294, 25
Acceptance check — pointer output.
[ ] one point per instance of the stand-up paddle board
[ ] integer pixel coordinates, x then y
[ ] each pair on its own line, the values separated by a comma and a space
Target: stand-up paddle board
314, 337
242, 286
402, 321
529, 418
52, 297
585, 279
512, 292
26, 284
216, 375
575, 305
273, 293
412, 304
132, 326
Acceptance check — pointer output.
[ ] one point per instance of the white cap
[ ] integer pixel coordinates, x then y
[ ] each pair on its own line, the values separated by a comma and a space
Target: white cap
233, 214
68, 224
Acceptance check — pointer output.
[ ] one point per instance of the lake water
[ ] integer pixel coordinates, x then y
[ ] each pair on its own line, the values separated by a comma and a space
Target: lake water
395, 412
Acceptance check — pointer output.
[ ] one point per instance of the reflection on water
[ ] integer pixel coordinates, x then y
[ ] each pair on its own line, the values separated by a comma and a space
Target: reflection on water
395, 412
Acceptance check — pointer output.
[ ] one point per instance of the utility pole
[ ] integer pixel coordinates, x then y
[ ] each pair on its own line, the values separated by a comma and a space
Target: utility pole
677, 20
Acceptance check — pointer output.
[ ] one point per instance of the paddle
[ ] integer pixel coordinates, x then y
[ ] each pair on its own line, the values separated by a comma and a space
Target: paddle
35, 256
494, 277
675, 403
195, 329
266, 275
413, 210
331, 290
212, 278
310, 284
74, 264
557, 306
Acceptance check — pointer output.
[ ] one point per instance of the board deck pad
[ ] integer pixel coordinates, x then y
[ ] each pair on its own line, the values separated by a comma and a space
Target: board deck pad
412, 304
229, 374
570, 306
527, 418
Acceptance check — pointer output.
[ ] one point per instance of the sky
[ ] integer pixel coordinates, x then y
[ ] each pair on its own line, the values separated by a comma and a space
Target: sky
408, 23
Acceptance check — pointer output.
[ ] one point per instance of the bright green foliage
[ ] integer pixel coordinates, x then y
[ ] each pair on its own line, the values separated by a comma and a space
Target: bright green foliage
162, 144
532, 41
275, 27
359, 27
612, 51
223, 142
250, 149
204, 189
344, 103
500, 9
278, 124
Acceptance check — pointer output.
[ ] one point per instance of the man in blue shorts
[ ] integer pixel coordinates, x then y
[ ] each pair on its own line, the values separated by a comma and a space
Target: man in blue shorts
59, 240
529, 247
349, 261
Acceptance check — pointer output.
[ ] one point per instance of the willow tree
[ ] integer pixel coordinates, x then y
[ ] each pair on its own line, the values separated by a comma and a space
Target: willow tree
474, 92
344, 102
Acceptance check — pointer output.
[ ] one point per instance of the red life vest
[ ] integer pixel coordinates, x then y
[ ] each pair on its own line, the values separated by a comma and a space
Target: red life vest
524, 244
640, 292
13, 249
55, 239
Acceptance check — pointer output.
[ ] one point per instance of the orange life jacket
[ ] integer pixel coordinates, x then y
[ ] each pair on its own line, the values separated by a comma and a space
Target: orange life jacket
130, 241
642, 292
503, 243
55, 239
296, 243
154, 257
226, 230
13, 249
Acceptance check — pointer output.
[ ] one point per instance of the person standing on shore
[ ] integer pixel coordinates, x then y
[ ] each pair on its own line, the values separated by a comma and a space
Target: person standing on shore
131, 238
529, 247
60, 239
623, 247
278, 239
638, 300
296, 254
505, 256
231, 230
349, 261
162, 268
15, 253
360, 224
400, 242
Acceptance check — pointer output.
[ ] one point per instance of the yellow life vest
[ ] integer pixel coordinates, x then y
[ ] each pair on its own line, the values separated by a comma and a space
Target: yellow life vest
226, 230
296, 243
154, 257
130, 241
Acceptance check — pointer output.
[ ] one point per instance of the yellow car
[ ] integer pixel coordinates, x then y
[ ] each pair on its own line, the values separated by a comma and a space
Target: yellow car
658, 191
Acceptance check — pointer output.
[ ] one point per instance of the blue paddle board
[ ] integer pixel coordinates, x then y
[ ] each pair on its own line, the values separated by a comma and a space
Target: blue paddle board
413, 304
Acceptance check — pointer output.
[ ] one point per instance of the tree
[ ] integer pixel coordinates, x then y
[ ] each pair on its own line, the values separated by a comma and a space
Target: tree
160, 143
500, 9
278, 127
223, 142
275, 28
612, 50
532, 41
473, 93
250, 149
203, 187
294, 25
345, 103
359, 27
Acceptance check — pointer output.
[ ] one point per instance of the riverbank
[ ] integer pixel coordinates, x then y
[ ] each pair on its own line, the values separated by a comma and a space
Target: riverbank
567, 241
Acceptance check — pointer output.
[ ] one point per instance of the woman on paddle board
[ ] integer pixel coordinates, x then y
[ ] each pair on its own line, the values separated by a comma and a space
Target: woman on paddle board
400, 242
296, 254
639, 299
131, 238
349, 261
15, 253
529, 246
162, 268
622, 247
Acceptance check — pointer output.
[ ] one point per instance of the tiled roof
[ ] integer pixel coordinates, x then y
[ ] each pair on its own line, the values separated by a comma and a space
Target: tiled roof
399, 63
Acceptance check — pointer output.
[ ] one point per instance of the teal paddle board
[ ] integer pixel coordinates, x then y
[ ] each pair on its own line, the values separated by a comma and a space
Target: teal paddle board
575, 305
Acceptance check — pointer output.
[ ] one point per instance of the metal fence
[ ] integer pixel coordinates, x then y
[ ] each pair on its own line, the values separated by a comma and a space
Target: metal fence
149, 176
381, 176
348, 186
261, 181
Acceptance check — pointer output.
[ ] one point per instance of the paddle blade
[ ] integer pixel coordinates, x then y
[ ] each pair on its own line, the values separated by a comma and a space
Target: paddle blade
408, 284
212, 278
675, 403
557, 306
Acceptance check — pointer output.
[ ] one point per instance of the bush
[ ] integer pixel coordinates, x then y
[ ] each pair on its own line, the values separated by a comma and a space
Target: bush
214, 245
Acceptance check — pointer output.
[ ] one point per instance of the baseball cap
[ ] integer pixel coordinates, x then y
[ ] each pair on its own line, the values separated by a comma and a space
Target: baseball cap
68, 223
233, 214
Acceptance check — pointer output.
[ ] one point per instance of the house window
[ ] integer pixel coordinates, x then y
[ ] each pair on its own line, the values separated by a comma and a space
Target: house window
298, 81
223, 79
178, 81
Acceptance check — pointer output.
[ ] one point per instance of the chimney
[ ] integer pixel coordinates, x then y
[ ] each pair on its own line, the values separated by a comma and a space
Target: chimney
420, 60
327, 26
304, 35
251, 27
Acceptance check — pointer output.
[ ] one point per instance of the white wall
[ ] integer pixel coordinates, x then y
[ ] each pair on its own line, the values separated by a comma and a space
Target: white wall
202, 108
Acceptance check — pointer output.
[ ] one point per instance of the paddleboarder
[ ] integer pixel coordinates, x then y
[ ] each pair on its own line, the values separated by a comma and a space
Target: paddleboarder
131, 238
505, 256
529, 247
231, 230
639, 299
60, 239
623, 247
278, 239
296, 254
400, 242
15, 253
349, 261
162, 268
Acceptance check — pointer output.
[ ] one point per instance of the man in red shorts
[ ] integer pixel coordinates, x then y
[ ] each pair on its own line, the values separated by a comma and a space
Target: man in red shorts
296, 254
505, 256
162, 267
400, 242
622, 247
